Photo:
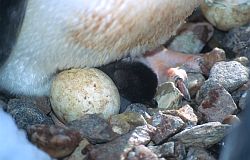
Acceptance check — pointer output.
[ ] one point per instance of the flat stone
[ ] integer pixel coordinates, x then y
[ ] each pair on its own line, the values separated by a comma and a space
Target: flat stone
217, 105
58, 142
196, 153
231, 75
186, 113
166, 126
168, 96
204, 135
94, 128
119, 148
25, 116
125, 122
169, 150
141, 152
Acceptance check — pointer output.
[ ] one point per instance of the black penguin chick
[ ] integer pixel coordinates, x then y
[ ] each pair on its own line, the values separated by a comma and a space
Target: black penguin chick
134, 80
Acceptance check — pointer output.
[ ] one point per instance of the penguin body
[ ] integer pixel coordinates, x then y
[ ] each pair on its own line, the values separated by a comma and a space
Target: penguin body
62, 34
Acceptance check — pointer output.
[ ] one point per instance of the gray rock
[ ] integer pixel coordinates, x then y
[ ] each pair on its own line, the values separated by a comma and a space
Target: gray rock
25, 116
119, 148
208, 85
169, 150
196, 153
125, 122
166, 126
141, 152
195, 81
204, 135
237, 41
94, 128
139, 108
168, 96
217, 105
231, 75
186, 113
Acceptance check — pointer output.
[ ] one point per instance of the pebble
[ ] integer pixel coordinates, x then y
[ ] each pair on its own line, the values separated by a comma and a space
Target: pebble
140, 109
169, 150
125, 122
194, 81
26, 113
237, 41
141, 152
77, 92
168, 96
119, 148
208, 85
217, 105
231, 75
204, 135
58, 142
78, 153
226, 14
166, 126
94, 128
196, 153
242, 101
186, 113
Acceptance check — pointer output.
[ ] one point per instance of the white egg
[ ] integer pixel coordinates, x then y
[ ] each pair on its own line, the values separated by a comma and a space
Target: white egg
77, 92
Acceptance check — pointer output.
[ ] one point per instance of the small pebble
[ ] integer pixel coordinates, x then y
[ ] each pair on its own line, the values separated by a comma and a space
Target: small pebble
58, 142
125, 122
168, 96
204, 135
231, 75
94, 128
166, 126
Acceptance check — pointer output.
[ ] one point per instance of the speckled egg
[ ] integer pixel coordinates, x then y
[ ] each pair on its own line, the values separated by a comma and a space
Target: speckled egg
226, 14
77, 92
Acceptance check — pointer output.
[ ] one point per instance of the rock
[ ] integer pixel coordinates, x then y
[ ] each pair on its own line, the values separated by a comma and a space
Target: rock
231, 75
226, 14
119, 148
78, 152
94, 128
58, 142
166, 126
141, 152
204, 135
77, 92
191, 37
26, 113
169, 150
125, 122
139, 108
237, 41
196, 153
186, 113
168, 96
242, 60
195, 81
208, 85
217, 105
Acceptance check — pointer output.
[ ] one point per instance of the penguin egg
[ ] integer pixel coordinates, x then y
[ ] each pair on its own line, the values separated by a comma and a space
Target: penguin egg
77, 92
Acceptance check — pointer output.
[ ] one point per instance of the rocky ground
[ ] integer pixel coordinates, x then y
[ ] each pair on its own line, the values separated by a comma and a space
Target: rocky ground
177, 129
